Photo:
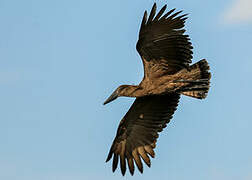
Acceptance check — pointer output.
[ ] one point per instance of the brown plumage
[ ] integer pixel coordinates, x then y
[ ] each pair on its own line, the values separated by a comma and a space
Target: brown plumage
166, 54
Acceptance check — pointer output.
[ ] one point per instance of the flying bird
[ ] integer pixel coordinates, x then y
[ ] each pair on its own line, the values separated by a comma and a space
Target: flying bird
166, 53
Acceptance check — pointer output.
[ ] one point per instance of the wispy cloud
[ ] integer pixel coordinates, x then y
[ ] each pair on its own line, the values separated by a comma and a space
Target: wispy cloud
240, 11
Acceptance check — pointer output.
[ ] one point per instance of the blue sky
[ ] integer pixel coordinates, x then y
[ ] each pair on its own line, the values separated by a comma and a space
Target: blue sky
59, 60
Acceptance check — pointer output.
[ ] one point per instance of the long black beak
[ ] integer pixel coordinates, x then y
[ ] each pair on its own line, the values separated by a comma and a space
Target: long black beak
113, 96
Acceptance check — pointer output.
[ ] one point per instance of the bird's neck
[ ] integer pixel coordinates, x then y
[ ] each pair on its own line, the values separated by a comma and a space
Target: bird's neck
132, 91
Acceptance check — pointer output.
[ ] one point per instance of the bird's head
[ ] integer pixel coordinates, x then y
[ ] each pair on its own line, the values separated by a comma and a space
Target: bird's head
120, 91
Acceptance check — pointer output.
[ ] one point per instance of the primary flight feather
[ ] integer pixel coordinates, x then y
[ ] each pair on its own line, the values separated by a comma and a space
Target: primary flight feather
166, 53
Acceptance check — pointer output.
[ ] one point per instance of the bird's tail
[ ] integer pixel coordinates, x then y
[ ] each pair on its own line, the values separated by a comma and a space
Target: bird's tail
197, 80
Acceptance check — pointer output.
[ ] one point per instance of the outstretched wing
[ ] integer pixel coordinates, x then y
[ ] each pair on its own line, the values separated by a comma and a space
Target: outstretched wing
138, 130
162, 44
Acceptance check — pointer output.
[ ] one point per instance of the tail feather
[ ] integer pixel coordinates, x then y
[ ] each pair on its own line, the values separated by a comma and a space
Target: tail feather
198, 87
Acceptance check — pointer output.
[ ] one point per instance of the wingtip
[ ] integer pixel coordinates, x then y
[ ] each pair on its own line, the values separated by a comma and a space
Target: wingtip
152, 13
131, 165
109, 156
145, 14
114, 168
141, 170
154, 5
162, 10
164, 7
144, 20
131, 172
145, 17
168, 13
123, 172
115, 162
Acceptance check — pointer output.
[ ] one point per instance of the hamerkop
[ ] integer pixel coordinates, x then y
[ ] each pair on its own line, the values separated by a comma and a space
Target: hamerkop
166, 53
